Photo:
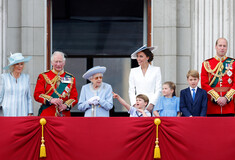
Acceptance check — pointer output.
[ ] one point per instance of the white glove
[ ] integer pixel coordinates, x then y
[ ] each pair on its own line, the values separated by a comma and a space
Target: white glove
96, 98
92, 99
95, 102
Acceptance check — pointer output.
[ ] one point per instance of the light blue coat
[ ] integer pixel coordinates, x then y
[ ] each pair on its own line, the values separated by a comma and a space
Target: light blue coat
105, 102
15, 96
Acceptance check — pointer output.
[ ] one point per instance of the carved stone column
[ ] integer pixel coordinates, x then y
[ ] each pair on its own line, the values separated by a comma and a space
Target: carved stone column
212, 19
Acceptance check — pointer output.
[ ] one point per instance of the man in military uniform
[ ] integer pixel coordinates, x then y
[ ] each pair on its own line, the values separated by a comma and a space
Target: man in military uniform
217, 78
56, 89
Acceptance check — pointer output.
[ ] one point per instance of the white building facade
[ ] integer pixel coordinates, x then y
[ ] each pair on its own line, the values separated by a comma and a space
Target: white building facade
185, 32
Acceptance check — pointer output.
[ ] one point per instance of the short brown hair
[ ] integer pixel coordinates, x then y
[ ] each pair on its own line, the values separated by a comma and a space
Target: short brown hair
220, 39
193, 73
171, 86
144, 97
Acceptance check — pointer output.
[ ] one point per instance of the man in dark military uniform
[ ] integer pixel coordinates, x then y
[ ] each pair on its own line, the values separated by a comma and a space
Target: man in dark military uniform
56, 89
217, 78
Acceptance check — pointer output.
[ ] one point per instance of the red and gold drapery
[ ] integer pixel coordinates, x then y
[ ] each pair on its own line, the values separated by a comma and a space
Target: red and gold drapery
117, 138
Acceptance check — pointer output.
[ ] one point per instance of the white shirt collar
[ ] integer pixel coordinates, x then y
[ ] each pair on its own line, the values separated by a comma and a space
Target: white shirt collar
194, 88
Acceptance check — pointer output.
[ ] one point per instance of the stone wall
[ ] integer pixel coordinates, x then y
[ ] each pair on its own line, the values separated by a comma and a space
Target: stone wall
184, 31
24, 32
172, 33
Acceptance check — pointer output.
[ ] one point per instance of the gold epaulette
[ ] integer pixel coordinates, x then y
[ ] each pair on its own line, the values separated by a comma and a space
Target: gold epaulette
209, 59
231, 58
214, 94
69, 74
229, 94
45, 72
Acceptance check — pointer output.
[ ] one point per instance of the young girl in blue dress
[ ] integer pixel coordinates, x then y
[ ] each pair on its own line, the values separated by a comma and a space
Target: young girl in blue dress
167, 105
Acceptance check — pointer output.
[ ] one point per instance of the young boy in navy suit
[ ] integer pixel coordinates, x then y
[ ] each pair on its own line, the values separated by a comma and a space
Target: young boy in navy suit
193, 100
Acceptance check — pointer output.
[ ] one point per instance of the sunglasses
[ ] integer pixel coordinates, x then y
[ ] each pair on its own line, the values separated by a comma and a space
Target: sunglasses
96, 78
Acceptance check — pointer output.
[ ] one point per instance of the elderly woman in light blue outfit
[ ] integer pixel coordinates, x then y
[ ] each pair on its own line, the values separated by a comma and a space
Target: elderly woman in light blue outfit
15, 96
96, 98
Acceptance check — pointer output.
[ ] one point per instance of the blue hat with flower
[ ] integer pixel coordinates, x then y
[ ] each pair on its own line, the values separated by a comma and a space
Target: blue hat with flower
94, 70
16, 58
134, 55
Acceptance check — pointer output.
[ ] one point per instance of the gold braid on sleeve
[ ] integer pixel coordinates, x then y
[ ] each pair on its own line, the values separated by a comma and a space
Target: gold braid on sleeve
229, 94
45, 97
69, 102
214, 94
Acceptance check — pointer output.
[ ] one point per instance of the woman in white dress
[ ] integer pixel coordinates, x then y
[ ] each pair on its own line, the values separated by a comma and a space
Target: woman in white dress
145, 79
15, 96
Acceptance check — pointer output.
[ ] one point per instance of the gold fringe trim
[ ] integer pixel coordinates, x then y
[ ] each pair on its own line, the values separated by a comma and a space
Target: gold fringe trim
214, 94
229, 94
69, 102
46, 97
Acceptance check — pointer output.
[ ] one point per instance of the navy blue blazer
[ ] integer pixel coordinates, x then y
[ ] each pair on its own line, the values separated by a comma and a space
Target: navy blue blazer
188, 107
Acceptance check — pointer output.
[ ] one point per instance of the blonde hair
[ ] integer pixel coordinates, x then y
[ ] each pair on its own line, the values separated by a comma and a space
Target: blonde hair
144, 97
11, 68
193, 73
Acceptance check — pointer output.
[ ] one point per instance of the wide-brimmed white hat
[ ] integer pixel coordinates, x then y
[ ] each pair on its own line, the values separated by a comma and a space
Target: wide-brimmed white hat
16, 58
134, 55
94, 70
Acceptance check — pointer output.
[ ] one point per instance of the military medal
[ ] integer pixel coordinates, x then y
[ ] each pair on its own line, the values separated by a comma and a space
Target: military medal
66, 79
67, 89
226, 66
229, 73
230, 81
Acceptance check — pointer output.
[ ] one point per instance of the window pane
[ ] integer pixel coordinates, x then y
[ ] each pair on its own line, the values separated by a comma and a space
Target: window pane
77, 67
95, 28
117, 75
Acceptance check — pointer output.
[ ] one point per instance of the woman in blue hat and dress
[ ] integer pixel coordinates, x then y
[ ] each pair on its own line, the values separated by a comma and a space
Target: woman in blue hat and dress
15, 96
145, 79
96, 98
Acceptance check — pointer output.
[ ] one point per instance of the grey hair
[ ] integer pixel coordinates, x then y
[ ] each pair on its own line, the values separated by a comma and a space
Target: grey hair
58, 52
92, 76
